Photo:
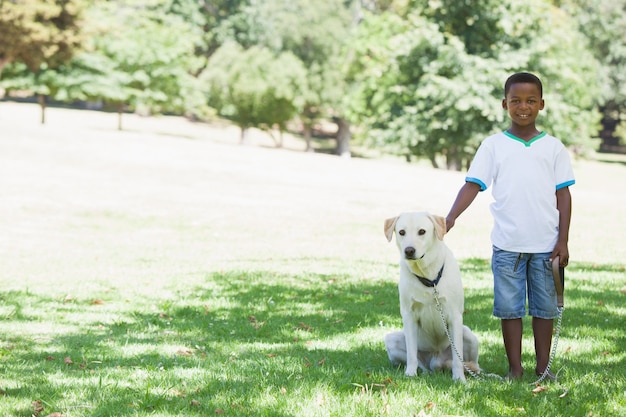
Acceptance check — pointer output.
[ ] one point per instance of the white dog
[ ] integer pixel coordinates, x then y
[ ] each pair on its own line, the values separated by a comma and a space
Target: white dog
425, 262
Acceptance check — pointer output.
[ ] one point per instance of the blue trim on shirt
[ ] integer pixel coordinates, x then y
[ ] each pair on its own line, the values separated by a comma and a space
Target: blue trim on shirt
565, 184
482, 185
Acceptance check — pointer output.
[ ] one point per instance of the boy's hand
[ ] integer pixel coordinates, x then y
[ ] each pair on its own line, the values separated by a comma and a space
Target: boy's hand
449, 223
562, 252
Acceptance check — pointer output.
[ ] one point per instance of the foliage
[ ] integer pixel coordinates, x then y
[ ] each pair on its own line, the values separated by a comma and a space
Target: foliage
603, 25
38, 32
151, 53
253, 87
425, 89
131, 59
418, 78
422, 94
314, 32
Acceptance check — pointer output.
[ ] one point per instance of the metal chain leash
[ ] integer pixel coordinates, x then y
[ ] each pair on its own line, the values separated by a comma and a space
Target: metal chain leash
453, 346
477, 375
554, 346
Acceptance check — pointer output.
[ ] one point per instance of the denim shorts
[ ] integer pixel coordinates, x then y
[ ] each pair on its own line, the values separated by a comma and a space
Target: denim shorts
517, 274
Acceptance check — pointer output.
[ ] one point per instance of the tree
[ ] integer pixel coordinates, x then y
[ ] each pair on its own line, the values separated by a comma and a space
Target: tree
152, 55
314, 32
39, 31
422, 91
254, 87
603, 23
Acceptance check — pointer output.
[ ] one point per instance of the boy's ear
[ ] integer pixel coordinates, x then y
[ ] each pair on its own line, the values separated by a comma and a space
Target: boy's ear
504, 105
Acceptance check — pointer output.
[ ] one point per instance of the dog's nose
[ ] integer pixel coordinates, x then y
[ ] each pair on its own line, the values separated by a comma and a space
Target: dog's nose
409, 252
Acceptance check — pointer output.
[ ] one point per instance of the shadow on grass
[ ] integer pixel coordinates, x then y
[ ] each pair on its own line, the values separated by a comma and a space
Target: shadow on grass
244, 342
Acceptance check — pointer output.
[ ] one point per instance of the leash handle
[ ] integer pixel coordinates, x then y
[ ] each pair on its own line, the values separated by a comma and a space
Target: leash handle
558, 274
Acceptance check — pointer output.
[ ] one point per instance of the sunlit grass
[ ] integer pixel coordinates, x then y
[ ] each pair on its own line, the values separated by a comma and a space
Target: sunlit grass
257, 343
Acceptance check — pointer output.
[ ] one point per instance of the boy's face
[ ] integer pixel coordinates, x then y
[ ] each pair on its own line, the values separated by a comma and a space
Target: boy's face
523, 102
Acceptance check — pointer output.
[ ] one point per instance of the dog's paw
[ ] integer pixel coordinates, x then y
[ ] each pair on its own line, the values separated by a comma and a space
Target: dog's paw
410, 372
459, 378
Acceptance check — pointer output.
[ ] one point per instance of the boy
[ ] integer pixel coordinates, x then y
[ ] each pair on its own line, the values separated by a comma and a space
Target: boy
531, 174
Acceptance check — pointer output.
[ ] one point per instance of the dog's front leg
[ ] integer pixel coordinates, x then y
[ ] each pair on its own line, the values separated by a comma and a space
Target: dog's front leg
456, 332
410, 335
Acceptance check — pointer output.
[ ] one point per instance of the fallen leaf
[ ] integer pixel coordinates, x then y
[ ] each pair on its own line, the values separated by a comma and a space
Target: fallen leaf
179, 393
55, 415
539, 389
97, 302
219, 411
623, 290
184, 352
430, 404
37, 407
68, 361
195, 403
283, 390
49, 358
304, 326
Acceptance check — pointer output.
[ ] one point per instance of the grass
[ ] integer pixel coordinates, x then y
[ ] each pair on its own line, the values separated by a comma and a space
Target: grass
163, 271
251, 343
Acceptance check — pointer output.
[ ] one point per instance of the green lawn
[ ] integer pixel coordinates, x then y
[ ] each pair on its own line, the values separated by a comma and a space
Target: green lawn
166, 271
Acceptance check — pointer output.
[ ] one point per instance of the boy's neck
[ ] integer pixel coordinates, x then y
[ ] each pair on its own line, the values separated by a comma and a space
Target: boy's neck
523, 132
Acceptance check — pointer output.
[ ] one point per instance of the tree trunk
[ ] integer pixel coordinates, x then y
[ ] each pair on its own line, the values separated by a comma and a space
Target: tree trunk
454, 161
343, 137
278, 141
41, 99
308, 133
243, 135
120, 111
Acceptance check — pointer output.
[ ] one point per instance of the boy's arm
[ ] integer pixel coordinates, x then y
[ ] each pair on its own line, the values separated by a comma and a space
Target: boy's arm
564, 206
464, 198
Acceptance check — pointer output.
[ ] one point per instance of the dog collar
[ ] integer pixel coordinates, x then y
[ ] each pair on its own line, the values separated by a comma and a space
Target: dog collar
427, 281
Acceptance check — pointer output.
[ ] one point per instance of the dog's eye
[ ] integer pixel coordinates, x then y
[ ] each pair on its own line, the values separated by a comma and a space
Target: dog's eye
401, 232
421, 232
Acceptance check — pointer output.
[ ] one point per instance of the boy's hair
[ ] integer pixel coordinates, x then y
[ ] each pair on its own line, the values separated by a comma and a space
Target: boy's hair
523, 77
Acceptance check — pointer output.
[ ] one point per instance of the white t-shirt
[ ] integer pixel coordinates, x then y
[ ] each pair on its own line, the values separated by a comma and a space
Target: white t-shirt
525, 177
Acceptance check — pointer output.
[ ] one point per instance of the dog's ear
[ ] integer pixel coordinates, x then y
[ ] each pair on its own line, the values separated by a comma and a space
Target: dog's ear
440, 225
390, 225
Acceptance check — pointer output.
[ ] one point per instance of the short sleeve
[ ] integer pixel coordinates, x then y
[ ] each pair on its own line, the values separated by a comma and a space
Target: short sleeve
564, 173
481, 168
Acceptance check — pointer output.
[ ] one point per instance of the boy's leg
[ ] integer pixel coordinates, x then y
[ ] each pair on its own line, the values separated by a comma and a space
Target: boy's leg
512, 335
542, 331
542, 307
509, 273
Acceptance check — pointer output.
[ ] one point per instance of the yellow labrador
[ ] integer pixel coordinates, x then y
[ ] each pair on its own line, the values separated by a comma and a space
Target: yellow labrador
426, 261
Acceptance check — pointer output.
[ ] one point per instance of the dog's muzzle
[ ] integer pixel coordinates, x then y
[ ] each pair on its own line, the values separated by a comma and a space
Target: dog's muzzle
409, 253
